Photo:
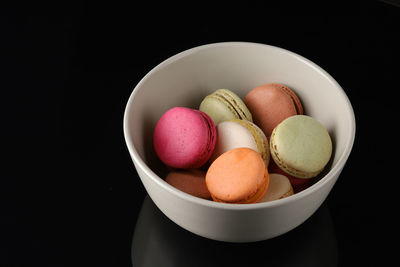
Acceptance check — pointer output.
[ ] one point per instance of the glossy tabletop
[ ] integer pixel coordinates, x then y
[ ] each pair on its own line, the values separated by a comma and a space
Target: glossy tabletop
69, 193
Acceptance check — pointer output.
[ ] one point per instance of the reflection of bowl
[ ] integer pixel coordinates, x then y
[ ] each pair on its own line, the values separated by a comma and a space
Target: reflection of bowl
183, 80
157, 241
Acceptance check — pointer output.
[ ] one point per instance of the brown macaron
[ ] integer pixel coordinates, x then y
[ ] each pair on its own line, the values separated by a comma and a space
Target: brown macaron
270, 104
189, 181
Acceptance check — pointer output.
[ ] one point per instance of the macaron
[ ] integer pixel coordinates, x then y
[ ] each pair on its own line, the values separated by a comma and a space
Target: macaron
224, 105
184, 138
270, 104
301, 146
298, 184
241, 133
192, 182
238, 176
279, 187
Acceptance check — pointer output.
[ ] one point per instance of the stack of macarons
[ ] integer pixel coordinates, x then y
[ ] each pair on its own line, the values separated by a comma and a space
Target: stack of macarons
230, 150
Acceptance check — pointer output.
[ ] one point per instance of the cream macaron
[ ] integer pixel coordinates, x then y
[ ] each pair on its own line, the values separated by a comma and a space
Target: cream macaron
241, 133
279, 187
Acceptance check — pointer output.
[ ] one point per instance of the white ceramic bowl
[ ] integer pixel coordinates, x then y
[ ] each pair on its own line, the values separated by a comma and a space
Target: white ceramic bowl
184, 80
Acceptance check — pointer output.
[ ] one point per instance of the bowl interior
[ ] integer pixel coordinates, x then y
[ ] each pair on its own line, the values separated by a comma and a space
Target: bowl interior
185, 79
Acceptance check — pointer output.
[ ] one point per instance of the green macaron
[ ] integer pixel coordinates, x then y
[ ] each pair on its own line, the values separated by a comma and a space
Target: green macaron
224, 105
301, 146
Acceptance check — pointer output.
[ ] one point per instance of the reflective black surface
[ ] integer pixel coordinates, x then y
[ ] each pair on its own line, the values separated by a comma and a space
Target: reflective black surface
69, 193
157, 241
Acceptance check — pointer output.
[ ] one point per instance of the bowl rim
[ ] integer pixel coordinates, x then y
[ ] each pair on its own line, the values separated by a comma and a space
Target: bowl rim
139, 163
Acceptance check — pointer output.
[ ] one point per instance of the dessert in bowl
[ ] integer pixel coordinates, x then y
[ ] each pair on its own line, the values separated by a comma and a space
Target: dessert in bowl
183, 81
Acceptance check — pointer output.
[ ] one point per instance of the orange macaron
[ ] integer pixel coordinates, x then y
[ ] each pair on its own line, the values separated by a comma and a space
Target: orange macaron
238, 176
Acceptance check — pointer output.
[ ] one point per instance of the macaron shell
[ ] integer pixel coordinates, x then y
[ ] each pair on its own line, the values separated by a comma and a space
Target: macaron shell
230, 135
223, 105
236, 102
189, 181
288, 194
260, 192
236, 176
212, 139
269, 105
291, 93
260, 139
217, 109
256, 197
279, 187
184, 138
301, 146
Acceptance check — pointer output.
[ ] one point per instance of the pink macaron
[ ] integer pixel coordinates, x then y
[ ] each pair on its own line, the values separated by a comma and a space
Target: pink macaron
184, 138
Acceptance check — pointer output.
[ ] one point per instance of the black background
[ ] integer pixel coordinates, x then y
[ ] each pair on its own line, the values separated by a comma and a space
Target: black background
69, 193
